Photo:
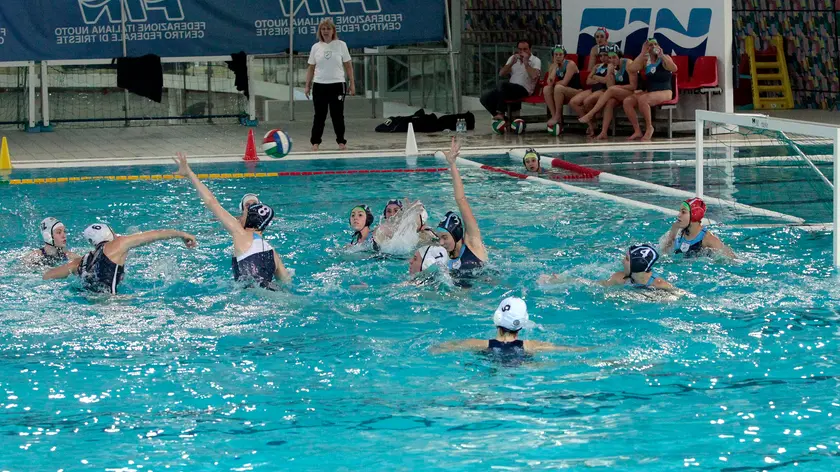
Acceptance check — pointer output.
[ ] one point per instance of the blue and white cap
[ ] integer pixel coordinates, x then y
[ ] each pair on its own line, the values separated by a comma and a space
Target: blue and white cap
512, 314
98, 233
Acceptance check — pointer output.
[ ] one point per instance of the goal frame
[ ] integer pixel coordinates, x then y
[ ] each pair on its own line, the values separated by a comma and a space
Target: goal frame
766, 122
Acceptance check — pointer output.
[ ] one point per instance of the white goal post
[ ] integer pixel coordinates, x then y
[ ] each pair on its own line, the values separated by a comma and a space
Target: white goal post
731, 132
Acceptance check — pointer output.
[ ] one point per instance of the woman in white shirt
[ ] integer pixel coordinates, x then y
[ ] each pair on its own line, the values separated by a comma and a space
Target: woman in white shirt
329, 66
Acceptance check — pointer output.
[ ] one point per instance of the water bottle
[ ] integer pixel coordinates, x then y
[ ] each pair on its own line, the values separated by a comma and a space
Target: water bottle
461, 126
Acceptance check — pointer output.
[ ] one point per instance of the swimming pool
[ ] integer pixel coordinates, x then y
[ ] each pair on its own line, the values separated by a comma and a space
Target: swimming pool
183, 371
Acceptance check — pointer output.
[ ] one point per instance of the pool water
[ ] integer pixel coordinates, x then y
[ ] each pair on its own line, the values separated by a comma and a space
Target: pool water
185, 371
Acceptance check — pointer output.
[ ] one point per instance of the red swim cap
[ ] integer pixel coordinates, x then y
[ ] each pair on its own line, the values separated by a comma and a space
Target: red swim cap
696, 209
603, 30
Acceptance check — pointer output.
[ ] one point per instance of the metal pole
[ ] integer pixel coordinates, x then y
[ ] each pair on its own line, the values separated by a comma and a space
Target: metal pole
372, 86
434, 82
409, 78
451, 56
836, 223
291, 60
698, 139
209, 93
45, 95
125, 54
31, 94
480, 80
252, 98
423, 80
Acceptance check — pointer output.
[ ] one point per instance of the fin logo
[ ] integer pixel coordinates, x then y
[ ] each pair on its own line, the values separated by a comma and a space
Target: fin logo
93, 11
329, 7
676, 32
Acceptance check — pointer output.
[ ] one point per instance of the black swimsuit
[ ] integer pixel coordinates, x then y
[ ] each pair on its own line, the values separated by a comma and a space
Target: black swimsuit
98, 273
256, 265
53, 259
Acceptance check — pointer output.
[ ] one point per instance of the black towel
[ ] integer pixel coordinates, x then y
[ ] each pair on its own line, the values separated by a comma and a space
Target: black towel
239, 66
141, 75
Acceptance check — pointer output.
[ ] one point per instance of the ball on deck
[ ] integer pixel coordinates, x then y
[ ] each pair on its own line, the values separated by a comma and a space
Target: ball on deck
518, 126
554, 130
499, 126
277, 144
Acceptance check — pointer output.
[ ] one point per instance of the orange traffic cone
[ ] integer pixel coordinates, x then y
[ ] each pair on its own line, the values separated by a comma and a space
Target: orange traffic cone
251, 148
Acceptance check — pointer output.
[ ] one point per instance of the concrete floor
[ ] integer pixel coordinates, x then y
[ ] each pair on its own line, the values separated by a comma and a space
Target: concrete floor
92, 146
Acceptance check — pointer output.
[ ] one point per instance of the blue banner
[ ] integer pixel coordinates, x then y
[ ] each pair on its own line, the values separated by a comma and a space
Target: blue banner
92, 29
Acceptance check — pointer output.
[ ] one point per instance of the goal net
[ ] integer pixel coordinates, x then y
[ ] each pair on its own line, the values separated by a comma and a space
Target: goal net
14, 95
759, 170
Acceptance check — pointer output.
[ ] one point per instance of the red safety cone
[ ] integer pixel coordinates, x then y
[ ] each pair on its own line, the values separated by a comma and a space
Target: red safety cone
251, 148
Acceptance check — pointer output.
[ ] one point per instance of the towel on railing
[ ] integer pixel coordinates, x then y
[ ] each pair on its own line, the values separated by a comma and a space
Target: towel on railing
239, 66
141, 76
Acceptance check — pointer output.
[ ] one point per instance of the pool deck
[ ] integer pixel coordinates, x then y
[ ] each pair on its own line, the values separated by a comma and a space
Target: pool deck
68, 147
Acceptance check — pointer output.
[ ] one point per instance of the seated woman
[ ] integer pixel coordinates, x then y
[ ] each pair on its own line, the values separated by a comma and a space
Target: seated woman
659, 68
598, 81
563, 84
509, 318
688, 235
621, 83
638, 269
602, 37
461, 238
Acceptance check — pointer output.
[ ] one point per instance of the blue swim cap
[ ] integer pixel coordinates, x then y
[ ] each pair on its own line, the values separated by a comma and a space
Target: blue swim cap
452, 223
642, 258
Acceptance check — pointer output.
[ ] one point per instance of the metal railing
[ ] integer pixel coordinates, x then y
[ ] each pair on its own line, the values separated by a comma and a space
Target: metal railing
416, 77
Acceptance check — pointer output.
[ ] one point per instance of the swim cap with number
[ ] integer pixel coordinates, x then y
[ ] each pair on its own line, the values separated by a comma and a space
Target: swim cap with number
452, 224
259, 216
642, 258
512, 314
98, 233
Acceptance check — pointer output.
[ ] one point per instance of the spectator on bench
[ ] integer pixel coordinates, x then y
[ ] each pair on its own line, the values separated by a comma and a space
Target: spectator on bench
563, 85
524, 71
620, 84
659, 68
597, 79
601, 38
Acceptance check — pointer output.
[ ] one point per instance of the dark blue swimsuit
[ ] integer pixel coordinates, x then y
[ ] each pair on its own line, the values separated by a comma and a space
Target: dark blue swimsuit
54, 260
98, 273
574, 82
257, 265
658, 77
689, 247
466, 261
600, 71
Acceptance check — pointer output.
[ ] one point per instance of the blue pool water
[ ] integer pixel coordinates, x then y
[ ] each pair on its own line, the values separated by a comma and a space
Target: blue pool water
185, 371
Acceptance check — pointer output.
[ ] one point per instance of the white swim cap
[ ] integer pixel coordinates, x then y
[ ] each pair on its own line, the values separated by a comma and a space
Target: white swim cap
47, 226
248, 197
98, 233
512, 314
433, 255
